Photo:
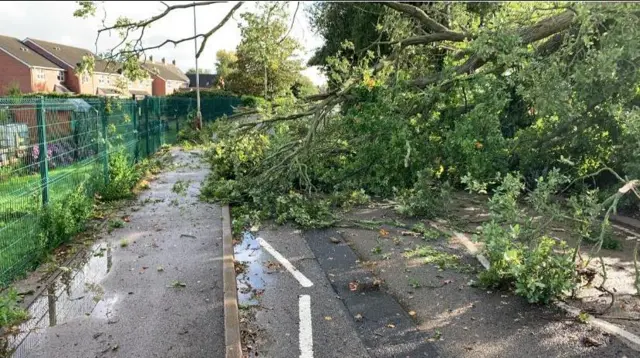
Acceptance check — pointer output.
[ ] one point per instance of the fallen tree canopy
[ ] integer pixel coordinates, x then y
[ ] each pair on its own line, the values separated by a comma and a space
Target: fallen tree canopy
522, 79
527, 100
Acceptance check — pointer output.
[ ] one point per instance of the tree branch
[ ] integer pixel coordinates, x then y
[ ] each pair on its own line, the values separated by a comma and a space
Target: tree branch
419, 15
138, 47
292, 21
147, 22
217, 27
540, 30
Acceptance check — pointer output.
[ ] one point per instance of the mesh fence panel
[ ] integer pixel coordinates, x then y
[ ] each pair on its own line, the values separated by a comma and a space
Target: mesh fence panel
51, 147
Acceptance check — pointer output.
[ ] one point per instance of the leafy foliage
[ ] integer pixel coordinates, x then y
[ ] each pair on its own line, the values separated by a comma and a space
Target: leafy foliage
512, 98
122, 177
10, 311
522, 256
63, 219
336, 22
266, 64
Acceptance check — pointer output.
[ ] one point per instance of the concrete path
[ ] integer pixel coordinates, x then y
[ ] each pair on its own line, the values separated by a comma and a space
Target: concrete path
151, 289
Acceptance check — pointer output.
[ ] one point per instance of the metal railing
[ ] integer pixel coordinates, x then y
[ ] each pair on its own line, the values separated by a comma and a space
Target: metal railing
51, 146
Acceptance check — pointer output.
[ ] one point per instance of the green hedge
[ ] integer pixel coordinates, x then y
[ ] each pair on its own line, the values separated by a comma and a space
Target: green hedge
245, 101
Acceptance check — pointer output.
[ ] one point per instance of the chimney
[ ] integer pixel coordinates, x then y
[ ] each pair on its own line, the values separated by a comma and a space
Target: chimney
163, 61
151, 59
173, 62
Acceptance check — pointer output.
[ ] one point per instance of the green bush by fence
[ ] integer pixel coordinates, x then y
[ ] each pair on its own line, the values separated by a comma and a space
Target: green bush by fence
52, 149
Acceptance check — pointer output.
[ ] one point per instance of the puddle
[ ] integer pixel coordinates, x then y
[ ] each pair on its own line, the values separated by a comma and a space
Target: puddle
75, 293
252, 281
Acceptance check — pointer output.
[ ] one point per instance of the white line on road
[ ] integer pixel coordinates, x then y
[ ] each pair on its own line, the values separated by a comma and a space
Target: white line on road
306, 334
304, 281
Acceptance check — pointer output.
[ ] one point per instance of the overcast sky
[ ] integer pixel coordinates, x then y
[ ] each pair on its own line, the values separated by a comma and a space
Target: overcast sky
54, 21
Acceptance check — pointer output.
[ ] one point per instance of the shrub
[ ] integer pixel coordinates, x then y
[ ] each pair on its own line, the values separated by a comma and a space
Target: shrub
523, 258
428, 198
122, 177
63, 219
546, 271
306, 212
10, 311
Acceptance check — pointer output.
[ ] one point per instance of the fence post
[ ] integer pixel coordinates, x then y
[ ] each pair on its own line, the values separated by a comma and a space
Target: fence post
42, 146
146, 124
74, 129
105, 157
177, 117
136, 150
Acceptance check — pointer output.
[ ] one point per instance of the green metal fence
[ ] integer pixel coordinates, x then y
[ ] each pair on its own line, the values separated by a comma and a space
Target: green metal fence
49, 147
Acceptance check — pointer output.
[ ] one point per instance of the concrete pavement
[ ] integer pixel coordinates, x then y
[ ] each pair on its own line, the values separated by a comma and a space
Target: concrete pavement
151, 289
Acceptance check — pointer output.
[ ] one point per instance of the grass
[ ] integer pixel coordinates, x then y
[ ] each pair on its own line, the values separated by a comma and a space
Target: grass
438, 258
180, 187
21, 247
115, 224
10, 311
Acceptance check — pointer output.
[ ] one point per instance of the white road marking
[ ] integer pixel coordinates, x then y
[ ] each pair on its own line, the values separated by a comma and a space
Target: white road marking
304, 281
306, 334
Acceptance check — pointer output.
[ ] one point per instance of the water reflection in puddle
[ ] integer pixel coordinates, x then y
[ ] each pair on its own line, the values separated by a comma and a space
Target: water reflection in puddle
74, 293
252, 280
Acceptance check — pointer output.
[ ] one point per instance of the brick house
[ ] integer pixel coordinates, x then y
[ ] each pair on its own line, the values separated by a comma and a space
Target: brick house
25, 70
167, 78
106, 79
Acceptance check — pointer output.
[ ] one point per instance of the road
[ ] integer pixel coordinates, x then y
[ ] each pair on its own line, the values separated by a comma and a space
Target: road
344, 323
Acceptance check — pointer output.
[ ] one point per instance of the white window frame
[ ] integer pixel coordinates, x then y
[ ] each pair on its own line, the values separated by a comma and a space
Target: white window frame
40, 74
101, 80
61, 76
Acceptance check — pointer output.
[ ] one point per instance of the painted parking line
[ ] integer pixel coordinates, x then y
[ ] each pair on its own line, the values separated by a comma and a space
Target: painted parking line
306, 335
304, 281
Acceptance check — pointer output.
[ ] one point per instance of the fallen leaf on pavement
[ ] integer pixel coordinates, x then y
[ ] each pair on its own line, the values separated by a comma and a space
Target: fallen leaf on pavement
327, 318
590, 342
358, 317
178, 284
391, 325
412, 313
353, 286
384, 233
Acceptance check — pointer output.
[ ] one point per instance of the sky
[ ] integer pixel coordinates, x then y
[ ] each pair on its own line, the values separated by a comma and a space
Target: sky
54, 21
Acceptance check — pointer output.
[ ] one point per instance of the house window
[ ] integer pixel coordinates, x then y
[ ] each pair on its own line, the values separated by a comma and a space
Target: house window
61, 76
40, 74
101, 80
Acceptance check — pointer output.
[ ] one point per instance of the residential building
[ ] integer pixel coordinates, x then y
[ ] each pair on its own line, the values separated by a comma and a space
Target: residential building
140, 88
27, 71
205, 80
167, 78
106, 80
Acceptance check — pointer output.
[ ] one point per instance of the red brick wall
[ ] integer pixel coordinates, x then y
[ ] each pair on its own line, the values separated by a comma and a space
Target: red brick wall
13, 71
159, 86
72, 82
